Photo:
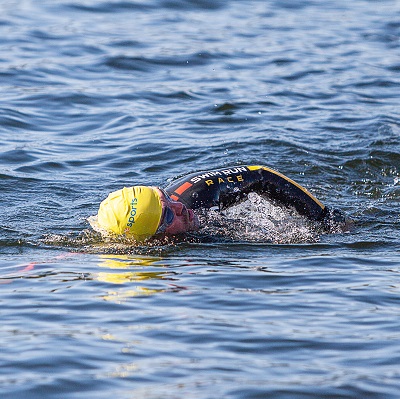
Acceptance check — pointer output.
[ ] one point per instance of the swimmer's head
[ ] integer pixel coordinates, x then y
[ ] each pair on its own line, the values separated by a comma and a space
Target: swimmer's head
134, 212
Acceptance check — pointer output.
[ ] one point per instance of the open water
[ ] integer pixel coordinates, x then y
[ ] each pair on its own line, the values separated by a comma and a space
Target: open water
96, 95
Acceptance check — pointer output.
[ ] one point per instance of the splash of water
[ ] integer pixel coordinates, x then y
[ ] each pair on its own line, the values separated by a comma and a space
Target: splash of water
258, 220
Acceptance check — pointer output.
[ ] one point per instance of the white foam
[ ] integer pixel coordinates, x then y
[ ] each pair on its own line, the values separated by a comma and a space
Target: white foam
257, 219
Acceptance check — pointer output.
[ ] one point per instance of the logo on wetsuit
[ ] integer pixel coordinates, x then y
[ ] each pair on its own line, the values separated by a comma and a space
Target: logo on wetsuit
229, 175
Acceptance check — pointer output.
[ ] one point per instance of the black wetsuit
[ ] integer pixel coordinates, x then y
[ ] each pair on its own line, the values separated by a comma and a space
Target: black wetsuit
225, 187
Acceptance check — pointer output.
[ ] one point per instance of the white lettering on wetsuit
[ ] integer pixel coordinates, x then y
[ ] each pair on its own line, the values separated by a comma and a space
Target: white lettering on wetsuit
229, 179
226, 172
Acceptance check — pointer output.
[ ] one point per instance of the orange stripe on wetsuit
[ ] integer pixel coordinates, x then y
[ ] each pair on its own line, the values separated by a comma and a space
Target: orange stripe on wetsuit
180, 190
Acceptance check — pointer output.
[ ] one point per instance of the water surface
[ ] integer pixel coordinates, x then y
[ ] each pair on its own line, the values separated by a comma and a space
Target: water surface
101, 94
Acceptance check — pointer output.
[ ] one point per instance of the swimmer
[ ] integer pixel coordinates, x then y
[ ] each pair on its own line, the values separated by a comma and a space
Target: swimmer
141, 212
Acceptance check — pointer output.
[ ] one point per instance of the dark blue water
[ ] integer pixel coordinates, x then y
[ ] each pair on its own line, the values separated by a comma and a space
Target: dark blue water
96, 95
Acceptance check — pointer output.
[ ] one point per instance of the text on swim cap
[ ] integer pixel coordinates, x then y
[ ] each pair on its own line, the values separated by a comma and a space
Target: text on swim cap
132, 213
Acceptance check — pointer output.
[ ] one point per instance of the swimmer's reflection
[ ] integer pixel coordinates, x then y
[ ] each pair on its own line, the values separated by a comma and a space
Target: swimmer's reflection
139, 276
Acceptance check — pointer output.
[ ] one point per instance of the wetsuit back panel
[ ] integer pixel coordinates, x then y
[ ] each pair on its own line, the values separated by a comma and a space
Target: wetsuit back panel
222, 188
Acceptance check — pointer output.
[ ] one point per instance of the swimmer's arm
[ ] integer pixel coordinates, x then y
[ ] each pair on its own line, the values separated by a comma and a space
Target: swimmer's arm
289, 193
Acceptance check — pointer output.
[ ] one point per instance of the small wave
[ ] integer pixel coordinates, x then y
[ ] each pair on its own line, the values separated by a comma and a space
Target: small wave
13, 119
145, 64
90, 241
107, 7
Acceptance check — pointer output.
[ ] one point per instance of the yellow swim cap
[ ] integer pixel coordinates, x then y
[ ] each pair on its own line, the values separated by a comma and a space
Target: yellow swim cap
134, 211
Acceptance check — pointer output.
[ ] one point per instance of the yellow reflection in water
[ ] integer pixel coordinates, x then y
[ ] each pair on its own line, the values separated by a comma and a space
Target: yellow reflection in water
134, 274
